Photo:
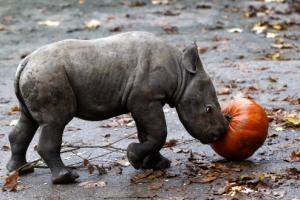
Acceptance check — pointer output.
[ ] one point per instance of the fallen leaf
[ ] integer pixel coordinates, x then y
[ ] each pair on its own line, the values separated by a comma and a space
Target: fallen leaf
203, 6
107, 144
81, 1
292, 119
13, 122
162, 2
49, 23
1, 135
116, 29
15, 108
92, 24
110, 125
90, 184
133, 3
176, 150
105, 135
155, 186
5, 147
271, 35
123, 163
90, 168
3, 100
295, 156
170, 29
171, 12
273, 79
11, 181
223, 91
2, 28
55, 198
170, 143
235, 30
101, 170
8, 19
72, 128
273, 56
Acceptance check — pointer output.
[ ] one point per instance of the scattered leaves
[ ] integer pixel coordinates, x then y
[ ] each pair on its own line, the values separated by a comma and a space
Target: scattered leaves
273, 56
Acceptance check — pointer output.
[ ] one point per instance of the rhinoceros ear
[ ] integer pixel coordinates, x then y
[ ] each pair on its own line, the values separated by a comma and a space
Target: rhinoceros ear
191, 60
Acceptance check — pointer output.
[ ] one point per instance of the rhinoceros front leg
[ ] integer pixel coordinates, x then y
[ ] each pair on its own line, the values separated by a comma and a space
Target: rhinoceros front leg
152, 133
155, 160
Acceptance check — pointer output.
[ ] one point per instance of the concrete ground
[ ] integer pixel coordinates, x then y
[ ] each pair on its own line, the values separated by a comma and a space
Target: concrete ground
250, 47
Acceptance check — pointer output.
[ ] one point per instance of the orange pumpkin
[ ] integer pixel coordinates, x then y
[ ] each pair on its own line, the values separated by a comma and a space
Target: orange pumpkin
246, 132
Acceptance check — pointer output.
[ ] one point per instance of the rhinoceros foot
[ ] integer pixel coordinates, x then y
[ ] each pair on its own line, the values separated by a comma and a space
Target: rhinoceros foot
13, 165
65, 176
133, 155
156, 161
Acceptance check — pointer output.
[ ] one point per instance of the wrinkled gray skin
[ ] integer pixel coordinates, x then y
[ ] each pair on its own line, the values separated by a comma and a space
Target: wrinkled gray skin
135, 72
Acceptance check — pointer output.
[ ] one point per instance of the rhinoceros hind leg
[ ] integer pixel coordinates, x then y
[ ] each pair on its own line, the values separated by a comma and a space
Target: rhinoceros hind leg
65, 176
133, 155
19, 139
49, 149
156, 161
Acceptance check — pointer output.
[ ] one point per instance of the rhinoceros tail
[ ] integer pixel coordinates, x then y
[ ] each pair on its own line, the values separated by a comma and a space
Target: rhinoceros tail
23, 107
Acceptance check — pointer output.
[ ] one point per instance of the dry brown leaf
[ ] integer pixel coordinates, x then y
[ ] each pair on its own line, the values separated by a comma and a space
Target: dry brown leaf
90, 168
85, 162
295, 156
155, 186
90, 184
224, 91
101, 170
208, 179
170, 143
11, 181
5, 147
170, 29
2, 28
105, 135
273, 79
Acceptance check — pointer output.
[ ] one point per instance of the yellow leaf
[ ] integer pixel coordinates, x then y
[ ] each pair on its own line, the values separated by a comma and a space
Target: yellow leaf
92, 24
271, 35
278, 26
293, 119
273, 56
107, 144
81, 1
2, 28
151, 177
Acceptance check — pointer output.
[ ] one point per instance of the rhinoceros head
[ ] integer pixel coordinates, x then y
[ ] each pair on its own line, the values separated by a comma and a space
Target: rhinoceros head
198, 108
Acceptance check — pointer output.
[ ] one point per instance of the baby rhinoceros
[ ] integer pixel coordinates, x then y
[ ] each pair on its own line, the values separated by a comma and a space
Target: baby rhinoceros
135, 72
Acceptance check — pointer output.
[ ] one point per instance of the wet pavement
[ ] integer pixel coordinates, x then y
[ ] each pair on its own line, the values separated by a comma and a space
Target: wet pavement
237, 48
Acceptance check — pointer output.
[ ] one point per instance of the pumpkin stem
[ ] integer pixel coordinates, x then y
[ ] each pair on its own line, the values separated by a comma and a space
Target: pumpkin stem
228, 116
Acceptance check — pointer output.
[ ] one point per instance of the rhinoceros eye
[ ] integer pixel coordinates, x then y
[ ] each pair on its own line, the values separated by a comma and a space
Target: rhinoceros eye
209, 109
